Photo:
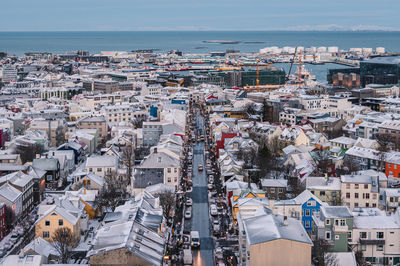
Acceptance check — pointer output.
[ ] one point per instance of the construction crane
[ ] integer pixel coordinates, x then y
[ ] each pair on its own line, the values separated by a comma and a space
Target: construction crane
291, 64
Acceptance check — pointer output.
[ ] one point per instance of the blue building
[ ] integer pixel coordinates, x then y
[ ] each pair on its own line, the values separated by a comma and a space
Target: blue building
309, 203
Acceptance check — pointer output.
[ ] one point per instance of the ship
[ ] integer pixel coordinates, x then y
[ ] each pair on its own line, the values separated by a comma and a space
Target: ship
178, 67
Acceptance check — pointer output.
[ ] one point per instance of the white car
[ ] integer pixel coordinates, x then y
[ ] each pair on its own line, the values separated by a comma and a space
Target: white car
189, 202
188, 213
195, 238
213, 210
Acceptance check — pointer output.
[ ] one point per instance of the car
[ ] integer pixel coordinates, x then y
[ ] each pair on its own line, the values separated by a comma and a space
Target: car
189, 202
216, 226
210, 186
14, 238
200, 167
211, 179
188, 213
195, 239
213, 210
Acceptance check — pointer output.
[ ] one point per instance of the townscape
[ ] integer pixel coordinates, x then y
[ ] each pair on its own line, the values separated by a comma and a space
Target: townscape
225, 158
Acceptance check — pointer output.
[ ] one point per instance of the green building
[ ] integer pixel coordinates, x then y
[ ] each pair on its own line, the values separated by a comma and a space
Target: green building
335, 225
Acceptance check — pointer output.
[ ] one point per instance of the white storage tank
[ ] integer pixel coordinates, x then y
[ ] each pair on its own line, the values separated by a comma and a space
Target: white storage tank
333, 49
380, 50
367, 50
356, 50
321, 49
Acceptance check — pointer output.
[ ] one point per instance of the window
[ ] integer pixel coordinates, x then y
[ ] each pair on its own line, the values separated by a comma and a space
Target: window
379, 235
379, 248
322, 193
348, 186
349, 234
175, 170
365, 186
328, 221
49, 177
363, 247
307, 224
342, 222
336, 237
280, 190
60, 222
356, 186
47, 223
374, 196
169, 170
272, 190
307, 212
363, 235
327, 235
46, 234
98, 169
348, 195
356, 195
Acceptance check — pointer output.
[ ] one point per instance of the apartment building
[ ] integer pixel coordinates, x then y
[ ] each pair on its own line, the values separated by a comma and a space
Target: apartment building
99, 123
377, 236
55, 130
360, 190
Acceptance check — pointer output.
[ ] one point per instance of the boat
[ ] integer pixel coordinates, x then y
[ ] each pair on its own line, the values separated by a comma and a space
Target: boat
178, 68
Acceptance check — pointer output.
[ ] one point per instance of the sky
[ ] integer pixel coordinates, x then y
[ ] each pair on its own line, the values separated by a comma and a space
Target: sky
131, 15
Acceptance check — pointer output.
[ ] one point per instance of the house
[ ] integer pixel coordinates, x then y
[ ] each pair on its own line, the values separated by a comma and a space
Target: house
99, 123
135, 244
101, 165
61, 214
390, 198
40, 246
39, 184
377, 235
360, 190
25, 260
76, 147
365, 158
52, 168
274, 188
326, 189
12, 198
275, 240
89, 180
158, 167
392, 164
301, 207
24, 183
335, 225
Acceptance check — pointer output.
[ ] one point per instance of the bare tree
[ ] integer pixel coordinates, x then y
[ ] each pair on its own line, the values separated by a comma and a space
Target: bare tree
359, 257
28, 152
60, 136
114, 189
349, 166
320, 254
128, 159
167, 202
63, 240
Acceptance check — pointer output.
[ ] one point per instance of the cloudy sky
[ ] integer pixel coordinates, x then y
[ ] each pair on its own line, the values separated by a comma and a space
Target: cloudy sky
97, 15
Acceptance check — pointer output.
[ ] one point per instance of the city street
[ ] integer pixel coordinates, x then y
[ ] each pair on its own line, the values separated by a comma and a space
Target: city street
200, 220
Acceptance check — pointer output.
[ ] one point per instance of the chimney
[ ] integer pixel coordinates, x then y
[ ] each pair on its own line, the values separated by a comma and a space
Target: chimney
285, 220
21, 254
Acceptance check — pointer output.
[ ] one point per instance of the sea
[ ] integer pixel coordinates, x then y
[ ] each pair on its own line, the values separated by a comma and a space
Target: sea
193, 41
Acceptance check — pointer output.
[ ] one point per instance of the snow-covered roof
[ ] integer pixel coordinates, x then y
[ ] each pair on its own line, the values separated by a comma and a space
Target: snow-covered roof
9, 192
102, 161
271, 227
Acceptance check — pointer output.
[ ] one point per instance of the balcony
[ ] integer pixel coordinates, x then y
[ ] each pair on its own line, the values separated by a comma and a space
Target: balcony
339, 228
372, 241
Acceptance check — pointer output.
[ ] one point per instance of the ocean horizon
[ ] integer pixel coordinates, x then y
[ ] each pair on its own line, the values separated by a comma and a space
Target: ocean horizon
20, 42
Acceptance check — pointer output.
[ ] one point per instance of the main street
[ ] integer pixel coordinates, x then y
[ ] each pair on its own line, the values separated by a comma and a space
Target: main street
201, 219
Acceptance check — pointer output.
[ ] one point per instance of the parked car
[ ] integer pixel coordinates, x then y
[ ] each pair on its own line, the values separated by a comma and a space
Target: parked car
216, 226
210, 186
189, 202
195, 238
200, 167
213, 210
211, 179
188, 213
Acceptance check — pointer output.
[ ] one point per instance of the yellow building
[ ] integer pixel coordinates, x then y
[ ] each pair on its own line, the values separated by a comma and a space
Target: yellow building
243, 194
274, 240
57, 217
